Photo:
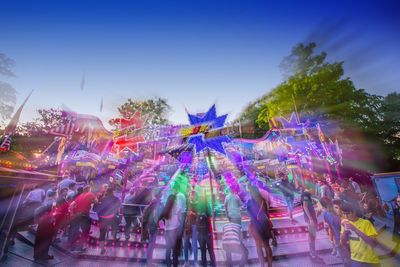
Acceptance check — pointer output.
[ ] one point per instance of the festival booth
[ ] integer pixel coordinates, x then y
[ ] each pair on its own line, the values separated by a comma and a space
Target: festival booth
388, 187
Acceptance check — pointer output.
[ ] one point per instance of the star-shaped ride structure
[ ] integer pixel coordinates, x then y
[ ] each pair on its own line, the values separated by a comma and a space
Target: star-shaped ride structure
211, 119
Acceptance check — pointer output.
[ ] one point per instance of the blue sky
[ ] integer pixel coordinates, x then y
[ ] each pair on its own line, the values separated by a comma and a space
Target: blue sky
194, 53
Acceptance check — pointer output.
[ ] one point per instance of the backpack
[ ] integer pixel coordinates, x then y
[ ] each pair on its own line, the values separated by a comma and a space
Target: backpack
202, 223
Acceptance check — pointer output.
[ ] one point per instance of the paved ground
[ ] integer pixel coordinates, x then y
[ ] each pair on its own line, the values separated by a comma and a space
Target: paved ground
292, 251
300, 261
21, 255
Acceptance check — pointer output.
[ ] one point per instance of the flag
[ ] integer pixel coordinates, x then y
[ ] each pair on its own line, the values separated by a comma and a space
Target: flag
10, 129
83, 82
5, 145
64, 130
101, 105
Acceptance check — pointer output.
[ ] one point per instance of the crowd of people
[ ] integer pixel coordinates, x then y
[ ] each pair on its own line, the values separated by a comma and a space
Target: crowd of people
185, 214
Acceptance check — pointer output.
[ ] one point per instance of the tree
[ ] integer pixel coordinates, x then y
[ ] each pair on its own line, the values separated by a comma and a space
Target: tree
8, 95
302, 61
48, 119
318, 89
390, 125
154, 111
248, 119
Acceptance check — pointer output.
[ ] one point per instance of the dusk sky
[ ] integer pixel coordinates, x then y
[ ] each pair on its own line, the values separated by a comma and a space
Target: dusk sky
194, 53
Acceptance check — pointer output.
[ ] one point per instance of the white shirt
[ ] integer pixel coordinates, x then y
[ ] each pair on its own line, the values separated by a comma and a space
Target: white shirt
176, 218
36, 195
232, 204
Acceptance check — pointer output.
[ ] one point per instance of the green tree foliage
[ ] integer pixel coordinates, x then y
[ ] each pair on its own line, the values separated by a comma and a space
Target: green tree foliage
48, 119
318, 89
390, 125
8, 95
154, 111
302, 61
248, 117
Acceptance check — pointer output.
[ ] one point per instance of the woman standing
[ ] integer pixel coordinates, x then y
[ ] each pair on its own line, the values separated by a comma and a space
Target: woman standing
259, 227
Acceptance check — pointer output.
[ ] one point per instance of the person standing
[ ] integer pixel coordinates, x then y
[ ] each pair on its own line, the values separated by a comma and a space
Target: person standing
204, 230
61, 210
333, 223
190, 231
44, 233
324, 190
51, 197
259, 227
174, 221
287, 189
34, 199
232, 206
311, 219
368, 211
232, 242
108, 210
361, 236
130, 212
79, 210
150, 219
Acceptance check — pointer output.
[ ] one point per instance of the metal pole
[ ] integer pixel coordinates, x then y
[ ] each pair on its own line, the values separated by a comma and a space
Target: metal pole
211, 174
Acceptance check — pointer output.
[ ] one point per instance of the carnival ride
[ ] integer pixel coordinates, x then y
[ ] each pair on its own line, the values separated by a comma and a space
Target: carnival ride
149, 155
204, 154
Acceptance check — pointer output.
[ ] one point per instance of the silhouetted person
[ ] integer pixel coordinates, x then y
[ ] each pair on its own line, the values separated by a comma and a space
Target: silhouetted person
310, 217
79, 210
44, 233
259, 227
150, 219
204, 230
287, 189
174, 221
107, 210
